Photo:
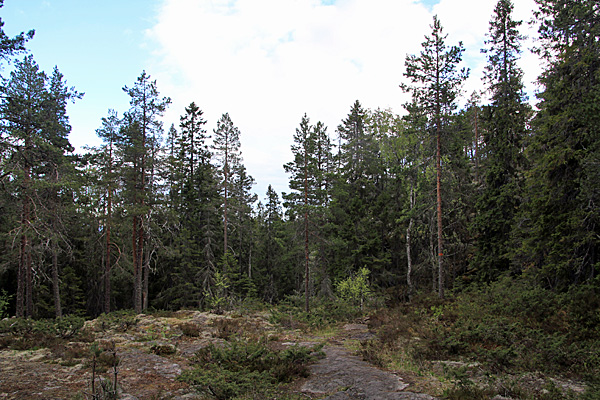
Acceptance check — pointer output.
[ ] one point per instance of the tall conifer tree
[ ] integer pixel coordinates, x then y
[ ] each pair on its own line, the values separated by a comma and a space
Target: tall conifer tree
436, 82
227, 151
560, 224
505, 122
108, 132
145, 129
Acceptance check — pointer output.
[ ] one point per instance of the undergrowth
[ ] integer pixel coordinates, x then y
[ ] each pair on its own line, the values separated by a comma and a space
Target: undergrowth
27, 334
291, 314
506, 329
247, 370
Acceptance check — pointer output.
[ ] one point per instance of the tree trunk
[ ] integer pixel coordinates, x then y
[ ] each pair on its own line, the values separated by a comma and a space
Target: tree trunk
26, 290
439, 217
438, 167
226, 173
137, 275
306, 269
55, 280
140, 262
55, 249
476, 147
24, 250
408, 244
146, 284
107, 268
21, 275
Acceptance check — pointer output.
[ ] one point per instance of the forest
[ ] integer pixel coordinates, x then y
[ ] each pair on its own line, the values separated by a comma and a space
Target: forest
438, 200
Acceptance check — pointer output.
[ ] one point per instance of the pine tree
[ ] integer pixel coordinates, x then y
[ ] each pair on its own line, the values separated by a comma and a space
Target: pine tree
241, 207
59, 172
12, 46
436, 83
145, 130
402, 150
355, 144
34, 110
109, 135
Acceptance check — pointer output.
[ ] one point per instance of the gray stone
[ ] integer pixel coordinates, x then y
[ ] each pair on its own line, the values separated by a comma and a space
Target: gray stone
345, 376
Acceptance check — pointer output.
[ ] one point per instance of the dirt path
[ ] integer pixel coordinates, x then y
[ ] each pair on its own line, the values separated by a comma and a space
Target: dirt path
342, 375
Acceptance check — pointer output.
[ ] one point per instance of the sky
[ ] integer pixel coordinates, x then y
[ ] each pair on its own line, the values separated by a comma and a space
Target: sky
265, 62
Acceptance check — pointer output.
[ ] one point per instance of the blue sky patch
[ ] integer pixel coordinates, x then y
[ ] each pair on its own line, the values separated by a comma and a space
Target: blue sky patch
429, 3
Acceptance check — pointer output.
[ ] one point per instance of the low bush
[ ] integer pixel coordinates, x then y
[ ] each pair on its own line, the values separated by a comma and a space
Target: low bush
190, 329
120, 321
25, 333
291, 313
509, 327
243, 369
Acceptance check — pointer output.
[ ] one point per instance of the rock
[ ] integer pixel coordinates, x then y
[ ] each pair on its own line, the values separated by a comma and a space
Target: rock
346, 376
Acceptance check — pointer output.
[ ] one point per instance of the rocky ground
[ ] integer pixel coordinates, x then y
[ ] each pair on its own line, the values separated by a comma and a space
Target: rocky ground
152, 351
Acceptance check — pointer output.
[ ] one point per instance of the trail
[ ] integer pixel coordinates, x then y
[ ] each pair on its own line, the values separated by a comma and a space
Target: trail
344, 376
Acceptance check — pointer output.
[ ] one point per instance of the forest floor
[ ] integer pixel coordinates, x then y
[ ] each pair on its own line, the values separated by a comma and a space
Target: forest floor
154, 350
149, 353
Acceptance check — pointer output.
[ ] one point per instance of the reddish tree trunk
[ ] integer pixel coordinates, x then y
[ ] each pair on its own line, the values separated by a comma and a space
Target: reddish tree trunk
439, 218
306, 255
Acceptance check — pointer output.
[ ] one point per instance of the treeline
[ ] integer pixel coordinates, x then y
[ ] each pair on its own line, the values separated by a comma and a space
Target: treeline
432, 200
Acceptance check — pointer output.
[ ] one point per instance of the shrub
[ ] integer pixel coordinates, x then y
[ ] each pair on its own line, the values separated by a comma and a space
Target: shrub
25, 333
244, 368
4, 301
120, 321
190, 329
355, 288
163, 349
323, 313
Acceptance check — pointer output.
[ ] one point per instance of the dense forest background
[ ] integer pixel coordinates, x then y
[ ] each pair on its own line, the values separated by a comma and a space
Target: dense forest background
436, 200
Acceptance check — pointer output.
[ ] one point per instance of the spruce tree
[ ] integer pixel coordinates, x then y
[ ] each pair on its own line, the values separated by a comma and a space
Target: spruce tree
302, 184
226, 145
505, 127
559, 226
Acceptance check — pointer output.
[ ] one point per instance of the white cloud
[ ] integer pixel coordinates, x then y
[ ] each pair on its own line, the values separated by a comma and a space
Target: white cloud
267, 62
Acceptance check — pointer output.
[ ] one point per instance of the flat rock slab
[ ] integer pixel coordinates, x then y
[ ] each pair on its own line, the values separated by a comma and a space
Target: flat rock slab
345, 376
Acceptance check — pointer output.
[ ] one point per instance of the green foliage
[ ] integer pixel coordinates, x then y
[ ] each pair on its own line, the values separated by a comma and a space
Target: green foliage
245, 368
355, 288
120, 321
219, 299
559, 241
323, 313
499, 334
4, 303
508, 326
23, 334
103, 360
64, 328
513, 326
